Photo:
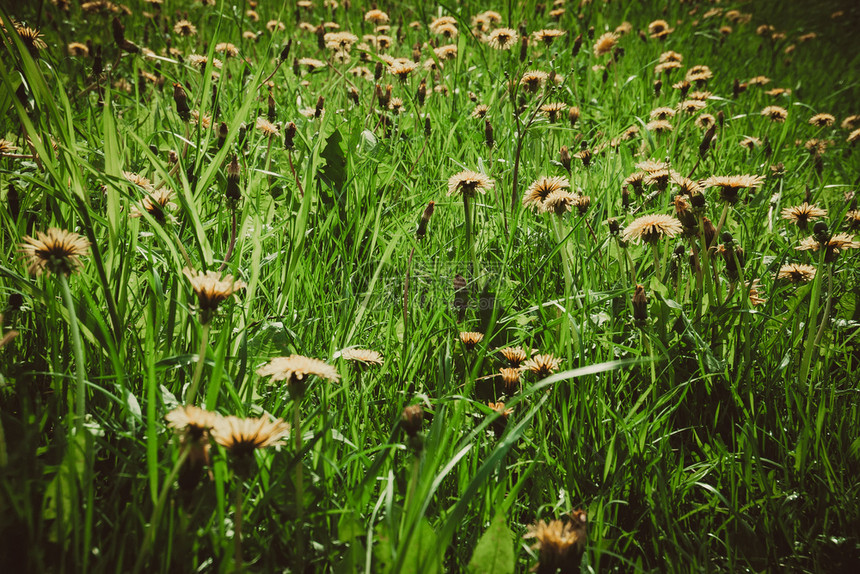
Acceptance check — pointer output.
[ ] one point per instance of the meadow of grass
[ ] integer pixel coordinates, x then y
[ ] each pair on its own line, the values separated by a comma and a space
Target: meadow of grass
683, 286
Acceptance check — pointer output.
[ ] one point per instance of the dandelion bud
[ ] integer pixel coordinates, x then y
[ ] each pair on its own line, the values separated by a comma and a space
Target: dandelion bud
706, 141
422, 92
319, 109
585, 157
352, 94
296, 67
320, 31
285, 52
411, 421
119, 38
625, 198
640, 306
582, 204
270, 114
232, 193
172, 158
425, 219
697, 202
573, 115
738, 88
427, 130
658, 85
577, 45
377, 71
13, 201
500, 424
564, 158
289, 135
416, 52
243, 134
821, 233
181, 100
710, 232
524, 48
223, 130
590, 32
98, 67
488, 134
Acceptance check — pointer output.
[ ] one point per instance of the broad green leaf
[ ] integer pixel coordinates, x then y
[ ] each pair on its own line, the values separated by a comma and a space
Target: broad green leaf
494, 553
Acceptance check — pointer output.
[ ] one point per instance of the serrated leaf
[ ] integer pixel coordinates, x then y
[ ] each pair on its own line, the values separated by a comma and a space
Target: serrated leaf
494, 553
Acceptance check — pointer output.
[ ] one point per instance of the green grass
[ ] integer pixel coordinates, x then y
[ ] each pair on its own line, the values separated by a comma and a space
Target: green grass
718, 435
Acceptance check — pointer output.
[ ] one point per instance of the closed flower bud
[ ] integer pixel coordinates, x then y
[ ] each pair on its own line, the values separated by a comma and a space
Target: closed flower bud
564, 157
181, 100
412, 419
640, 306
488, 134
425, 219
285, 52
233, 193
289, 135
577, 45
422, 92
706, 141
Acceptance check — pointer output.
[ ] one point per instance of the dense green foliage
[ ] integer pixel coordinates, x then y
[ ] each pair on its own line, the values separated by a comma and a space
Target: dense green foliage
712, 426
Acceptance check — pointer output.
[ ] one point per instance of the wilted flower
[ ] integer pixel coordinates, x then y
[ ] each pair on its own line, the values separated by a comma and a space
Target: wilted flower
295, 368
797, 273
775, 113
510, 378
822, 120
662, 113
538, 191
266, 127
560, 543
605, 43
470, 339
730, 185
468, 182
800, 215
185, 28
659, 29
157, 204
533, 80
57, 251
699, 74
542, 365
211, 290
503, 38
514, 355
362, 357
651, 228
658, 126
552, 110
241, 437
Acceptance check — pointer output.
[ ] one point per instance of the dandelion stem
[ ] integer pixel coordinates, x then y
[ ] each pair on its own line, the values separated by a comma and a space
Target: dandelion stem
80, 396
237, 521
198, 369
470, 240
297, 439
